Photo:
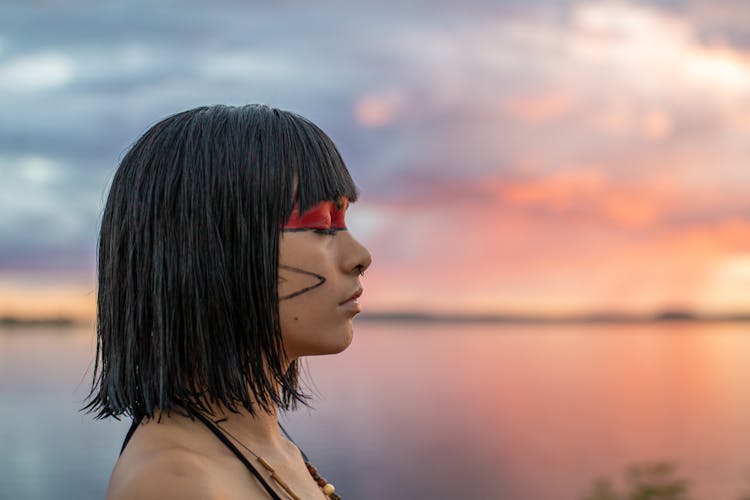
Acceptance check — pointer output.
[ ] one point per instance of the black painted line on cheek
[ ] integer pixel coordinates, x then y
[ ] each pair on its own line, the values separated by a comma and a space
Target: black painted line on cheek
321, 280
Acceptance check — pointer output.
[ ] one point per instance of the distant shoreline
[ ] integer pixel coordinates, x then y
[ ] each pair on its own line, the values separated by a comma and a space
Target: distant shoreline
426, 317
663, 317
61, 322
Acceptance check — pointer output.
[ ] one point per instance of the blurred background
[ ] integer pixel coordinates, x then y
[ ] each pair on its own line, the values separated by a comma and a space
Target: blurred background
555, 194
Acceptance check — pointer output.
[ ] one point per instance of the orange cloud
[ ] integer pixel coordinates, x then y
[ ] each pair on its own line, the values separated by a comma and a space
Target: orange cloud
545, 268
572, 241
586, 193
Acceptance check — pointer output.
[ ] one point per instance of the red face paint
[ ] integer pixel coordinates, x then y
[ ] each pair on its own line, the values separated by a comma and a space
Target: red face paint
324, 215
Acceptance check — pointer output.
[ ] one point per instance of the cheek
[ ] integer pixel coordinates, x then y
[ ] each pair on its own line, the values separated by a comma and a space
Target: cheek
306, 251
305, 310
303, 328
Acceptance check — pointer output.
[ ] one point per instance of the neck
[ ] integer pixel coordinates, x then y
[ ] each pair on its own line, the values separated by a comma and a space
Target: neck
260, 430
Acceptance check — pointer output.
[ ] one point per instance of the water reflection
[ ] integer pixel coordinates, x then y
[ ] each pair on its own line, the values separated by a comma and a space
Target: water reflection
443, 411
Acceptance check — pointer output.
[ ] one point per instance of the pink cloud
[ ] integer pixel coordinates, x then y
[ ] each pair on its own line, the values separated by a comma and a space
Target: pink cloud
572, 241
540, 107
379, 108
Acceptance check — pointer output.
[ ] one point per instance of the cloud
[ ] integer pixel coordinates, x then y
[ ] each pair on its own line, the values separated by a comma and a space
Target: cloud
248, 66
36, 72
42, 225
600, 81
380, 108
513, 147
654, 51
575, 240
540, 107
727, 284
501, 259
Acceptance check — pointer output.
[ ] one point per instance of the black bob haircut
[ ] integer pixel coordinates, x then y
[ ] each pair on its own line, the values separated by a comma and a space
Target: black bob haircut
187, 305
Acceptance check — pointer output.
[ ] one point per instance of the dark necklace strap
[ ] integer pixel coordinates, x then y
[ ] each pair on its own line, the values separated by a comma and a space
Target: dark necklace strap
234, 450
131, 431
224, 439
221, 436
137, 421
292, 440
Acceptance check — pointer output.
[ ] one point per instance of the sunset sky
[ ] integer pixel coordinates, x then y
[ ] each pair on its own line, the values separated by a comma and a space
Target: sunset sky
519, 157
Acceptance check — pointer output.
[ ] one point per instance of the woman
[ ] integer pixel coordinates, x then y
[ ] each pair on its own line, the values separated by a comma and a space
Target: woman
223, 258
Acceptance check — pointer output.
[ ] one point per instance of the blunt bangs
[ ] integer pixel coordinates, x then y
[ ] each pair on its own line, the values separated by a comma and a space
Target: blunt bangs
187, 262
323, 176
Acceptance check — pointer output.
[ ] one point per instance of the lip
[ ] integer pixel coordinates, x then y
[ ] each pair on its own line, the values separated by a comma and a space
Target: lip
353, 298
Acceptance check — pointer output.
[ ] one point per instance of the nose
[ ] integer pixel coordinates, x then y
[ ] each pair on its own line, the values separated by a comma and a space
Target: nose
357, 257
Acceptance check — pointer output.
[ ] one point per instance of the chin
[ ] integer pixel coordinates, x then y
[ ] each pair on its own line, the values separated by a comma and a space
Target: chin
340, 346
335, 344
344, 346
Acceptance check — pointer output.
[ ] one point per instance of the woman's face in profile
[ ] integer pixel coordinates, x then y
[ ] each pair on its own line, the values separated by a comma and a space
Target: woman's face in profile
319, 267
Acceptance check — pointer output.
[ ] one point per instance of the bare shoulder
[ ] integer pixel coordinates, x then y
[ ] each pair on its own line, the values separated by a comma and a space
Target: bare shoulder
177, 472
166, 474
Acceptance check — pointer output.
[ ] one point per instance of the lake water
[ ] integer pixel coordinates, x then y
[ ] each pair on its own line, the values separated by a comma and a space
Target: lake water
438, 411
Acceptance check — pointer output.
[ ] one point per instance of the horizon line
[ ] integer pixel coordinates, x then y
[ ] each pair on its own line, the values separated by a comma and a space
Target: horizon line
542, 318
458, 317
